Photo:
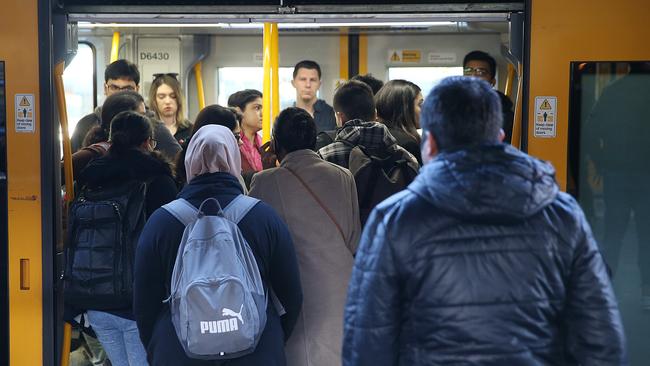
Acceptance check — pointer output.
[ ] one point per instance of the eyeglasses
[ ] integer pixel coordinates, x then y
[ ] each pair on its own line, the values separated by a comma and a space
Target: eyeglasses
116, 88
237, 136
475, 71
161, 74
153, 142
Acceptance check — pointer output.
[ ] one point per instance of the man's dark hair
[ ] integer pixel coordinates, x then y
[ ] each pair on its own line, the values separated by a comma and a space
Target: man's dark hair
462, 111
122, 69
306, 64
355, 100
294, 129
243, 97
374, 83
482, 56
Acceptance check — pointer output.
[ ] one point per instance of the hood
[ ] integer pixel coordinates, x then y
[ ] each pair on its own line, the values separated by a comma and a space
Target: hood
495, 183
371, 135
134, 164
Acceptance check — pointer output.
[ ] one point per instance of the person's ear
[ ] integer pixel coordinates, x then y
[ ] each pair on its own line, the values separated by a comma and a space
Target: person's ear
493, 81
429, 147
137, 88
293, 83
502, 135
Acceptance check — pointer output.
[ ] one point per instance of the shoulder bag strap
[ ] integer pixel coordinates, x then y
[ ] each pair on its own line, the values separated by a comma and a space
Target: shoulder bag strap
320, 203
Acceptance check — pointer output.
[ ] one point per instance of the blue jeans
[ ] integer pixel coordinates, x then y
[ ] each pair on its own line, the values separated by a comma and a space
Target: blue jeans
119, 337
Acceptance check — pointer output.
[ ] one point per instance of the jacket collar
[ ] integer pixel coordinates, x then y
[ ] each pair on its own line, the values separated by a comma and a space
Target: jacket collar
488, 182
217, 184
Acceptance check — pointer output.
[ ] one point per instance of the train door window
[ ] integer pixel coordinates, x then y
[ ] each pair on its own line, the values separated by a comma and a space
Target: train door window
233, 79
425, 77
79, 82
609, 174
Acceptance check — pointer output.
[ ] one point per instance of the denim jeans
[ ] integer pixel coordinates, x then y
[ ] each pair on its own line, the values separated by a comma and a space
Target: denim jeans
119, 337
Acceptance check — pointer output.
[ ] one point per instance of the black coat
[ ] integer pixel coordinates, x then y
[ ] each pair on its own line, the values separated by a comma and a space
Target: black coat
272, 247
134, 164
481, 261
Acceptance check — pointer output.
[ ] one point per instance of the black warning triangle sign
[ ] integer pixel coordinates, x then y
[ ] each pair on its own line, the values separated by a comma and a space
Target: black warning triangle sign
546, 106
24, 102
395, 57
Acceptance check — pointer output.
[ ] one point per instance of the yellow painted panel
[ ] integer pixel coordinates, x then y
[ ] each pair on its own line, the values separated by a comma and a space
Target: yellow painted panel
19, 51
565, 31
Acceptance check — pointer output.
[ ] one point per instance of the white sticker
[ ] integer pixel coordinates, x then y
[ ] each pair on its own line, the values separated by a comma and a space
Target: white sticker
545, 117
442, 58
24, 108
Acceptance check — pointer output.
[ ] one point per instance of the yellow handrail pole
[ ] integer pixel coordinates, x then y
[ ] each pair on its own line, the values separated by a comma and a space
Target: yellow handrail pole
115, 47
275, 77
69, 190
266, 97
518, 123
363, 54
198, 76
343, 56
509, 80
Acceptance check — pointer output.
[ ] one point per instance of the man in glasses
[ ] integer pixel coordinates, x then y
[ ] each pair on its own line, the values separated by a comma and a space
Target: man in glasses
483, 66
122, 75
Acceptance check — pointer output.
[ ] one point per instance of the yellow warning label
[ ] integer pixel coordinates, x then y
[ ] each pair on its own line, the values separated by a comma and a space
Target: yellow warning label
395, 57
411, 56
24, 102
546, 106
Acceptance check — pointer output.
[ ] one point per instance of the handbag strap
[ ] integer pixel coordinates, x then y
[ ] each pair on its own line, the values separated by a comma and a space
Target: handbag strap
320, 203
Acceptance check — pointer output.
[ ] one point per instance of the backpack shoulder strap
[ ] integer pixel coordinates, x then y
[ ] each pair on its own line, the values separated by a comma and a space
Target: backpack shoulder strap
182, 210
239, 207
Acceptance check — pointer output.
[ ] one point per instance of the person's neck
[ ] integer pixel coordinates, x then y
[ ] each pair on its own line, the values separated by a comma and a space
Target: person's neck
307, 105
169, 121
250, 134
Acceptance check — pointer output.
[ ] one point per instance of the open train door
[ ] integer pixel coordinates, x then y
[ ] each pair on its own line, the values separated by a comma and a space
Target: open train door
35, 37
587, 110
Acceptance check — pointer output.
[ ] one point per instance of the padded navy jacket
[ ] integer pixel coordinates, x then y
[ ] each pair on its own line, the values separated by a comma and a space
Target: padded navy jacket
481, 261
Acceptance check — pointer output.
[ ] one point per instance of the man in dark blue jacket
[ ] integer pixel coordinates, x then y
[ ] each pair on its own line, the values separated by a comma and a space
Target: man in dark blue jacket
482, 260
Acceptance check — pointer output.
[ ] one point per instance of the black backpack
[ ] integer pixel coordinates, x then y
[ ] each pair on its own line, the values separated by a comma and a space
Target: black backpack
104, 226
379, 175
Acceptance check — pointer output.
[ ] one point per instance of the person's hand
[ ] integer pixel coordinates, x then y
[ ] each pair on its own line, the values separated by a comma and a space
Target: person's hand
269, 158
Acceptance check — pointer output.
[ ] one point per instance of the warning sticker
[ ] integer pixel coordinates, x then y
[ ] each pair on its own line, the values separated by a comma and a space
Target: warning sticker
404, 56
24, 107
545, 117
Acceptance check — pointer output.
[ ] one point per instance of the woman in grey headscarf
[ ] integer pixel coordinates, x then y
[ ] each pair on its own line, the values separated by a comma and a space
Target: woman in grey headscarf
213, 165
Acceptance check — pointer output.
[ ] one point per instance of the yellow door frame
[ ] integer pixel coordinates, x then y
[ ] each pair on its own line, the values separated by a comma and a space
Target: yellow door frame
566, 31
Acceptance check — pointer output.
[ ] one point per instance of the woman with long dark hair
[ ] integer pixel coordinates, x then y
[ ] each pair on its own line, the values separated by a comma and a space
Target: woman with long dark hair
130, 157
398, 105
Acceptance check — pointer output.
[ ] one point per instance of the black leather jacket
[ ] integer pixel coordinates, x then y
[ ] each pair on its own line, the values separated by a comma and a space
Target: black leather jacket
481, 261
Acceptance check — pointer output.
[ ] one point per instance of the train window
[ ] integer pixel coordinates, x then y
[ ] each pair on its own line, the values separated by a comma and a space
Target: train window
425, 77
609, 174
232, 79
78, 79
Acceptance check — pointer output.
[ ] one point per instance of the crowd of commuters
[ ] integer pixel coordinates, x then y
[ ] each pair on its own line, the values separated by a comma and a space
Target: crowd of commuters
479, 259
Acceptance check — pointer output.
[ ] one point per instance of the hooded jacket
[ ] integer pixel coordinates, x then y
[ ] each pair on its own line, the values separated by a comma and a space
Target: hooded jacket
134, 164
481, 261
374, 136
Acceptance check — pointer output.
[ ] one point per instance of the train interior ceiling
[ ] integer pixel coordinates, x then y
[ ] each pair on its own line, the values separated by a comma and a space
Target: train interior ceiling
422, 48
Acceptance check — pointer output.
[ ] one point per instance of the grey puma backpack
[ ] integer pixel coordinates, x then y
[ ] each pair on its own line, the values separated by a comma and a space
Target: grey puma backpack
217, 298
